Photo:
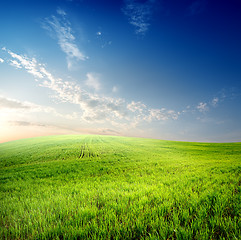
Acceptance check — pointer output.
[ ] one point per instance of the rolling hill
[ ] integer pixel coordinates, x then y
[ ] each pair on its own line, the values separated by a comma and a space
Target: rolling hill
104, 187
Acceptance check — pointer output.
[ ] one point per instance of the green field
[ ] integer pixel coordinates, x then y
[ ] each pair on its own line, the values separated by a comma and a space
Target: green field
103, 187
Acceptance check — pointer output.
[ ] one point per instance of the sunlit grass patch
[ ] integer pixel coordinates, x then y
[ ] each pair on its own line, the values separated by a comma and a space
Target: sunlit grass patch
102, 187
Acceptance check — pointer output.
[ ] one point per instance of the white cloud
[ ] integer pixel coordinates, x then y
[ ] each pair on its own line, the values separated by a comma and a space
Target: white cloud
15, 64
139, 14
161, 115
9, 105
61, 12
61, 28
202, 107
157, 114
20, 61
136, 107
93, 107
1, 60
92, 81
215, 101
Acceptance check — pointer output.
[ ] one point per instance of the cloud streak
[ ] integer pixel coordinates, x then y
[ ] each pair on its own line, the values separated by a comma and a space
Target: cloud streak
93, 107
202, 107
15, 106
59, 27
7, 103
97, 112
19, 61
26, 124
139, 14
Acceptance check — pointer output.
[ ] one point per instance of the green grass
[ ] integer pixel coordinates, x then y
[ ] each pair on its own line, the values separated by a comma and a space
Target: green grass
102, 187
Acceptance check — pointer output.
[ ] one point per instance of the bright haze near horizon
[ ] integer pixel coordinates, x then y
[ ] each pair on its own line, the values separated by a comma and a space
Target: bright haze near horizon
159, 69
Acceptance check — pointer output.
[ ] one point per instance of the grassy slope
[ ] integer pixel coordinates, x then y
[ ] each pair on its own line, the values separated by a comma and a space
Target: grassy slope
102, 187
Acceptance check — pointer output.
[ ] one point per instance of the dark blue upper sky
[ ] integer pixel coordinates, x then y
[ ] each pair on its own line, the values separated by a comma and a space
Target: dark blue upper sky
162, 69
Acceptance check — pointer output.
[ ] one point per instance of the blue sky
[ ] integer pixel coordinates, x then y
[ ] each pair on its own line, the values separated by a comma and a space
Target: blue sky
159, 69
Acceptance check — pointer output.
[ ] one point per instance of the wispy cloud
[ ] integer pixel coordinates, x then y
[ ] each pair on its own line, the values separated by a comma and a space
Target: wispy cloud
61, 12
139, 14
60, 27
94, 107
26, 124
107, 131
9, 105
93, 81
19, 61
136, 107
215, 101
1, 60
13, 104
221, 96
15, 64
115, 89
202, 107
161, 115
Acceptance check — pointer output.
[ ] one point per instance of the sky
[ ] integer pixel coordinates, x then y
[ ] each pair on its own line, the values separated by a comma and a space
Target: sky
159, 69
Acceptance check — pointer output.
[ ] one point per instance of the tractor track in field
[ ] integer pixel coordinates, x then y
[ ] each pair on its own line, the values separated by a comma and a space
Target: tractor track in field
86, 152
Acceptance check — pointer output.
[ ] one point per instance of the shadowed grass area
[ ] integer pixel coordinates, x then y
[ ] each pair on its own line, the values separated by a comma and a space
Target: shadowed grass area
103, 187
